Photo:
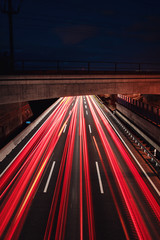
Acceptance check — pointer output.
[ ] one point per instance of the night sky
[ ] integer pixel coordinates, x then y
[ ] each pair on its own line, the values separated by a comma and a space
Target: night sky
84, 30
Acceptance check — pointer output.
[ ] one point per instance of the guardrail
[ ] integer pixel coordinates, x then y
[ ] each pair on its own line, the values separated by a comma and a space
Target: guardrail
150, 158
84, 66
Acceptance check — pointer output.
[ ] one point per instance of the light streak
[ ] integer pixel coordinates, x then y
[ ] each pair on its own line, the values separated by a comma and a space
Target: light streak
151, 200
16, 204
32, 145
137, 220
61, 222
90, 215
80, 176
111, 190
60, 231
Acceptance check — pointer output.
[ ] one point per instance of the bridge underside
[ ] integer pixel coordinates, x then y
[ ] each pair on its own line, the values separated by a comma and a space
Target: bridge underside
26, 88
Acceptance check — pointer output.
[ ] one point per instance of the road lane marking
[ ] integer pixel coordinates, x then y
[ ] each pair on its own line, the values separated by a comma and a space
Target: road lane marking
85, 106
99, 178
64, 128
153, 185
49, 177
86, 112
90, 130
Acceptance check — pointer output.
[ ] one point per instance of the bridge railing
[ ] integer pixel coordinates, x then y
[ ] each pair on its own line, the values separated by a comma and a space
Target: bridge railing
84, 66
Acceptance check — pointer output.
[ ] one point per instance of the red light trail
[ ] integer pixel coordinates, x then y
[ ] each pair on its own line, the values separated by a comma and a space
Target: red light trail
74, 125
135, 215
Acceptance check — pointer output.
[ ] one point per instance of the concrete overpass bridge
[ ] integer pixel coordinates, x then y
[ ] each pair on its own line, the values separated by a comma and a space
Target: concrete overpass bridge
84, 78
35, 87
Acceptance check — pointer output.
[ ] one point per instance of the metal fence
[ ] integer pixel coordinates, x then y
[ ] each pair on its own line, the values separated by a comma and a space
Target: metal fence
84, 66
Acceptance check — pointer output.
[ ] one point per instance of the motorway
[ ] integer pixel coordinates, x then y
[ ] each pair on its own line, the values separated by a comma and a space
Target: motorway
76, 179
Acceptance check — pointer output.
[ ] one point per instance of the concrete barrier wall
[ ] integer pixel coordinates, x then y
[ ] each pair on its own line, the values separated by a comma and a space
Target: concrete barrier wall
147, 127
13, 143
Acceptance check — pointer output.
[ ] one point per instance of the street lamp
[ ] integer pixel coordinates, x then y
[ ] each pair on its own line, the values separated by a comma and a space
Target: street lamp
6, 7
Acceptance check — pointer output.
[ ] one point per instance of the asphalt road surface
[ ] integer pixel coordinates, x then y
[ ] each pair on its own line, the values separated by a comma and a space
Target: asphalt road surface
75, 179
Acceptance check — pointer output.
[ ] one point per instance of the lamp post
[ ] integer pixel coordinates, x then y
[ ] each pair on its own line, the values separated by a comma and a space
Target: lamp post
6, 7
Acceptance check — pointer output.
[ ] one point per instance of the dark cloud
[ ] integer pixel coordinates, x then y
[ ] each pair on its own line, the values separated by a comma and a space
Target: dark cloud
102, 30
108, 12
147, 30
74, 34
